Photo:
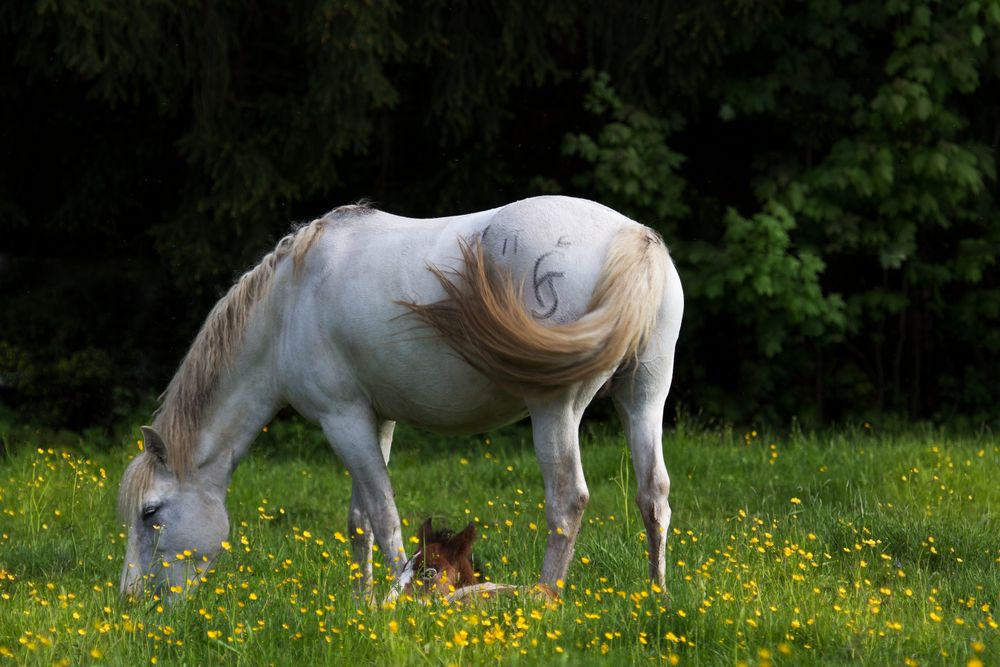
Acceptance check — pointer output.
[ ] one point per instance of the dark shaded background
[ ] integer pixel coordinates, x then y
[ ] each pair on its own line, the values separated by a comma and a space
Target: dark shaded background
824, 172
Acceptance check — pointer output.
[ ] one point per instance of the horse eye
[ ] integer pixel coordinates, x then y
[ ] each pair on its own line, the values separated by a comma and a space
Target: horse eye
430, 573
149, 510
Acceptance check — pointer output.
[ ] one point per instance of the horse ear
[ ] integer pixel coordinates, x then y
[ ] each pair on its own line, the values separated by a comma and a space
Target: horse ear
153, 444
461, 543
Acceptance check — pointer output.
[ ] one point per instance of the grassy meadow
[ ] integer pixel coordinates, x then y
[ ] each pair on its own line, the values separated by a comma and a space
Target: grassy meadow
843, 546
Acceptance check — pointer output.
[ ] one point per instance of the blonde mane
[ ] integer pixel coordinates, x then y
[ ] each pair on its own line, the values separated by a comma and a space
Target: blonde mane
211, 354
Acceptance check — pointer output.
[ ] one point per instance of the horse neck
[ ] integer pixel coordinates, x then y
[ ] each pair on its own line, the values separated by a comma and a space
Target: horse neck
245, 400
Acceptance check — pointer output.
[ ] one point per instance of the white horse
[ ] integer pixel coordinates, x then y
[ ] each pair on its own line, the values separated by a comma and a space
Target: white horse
526, 309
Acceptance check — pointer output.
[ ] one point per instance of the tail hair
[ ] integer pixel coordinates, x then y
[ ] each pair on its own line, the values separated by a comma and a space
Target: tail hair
484, 320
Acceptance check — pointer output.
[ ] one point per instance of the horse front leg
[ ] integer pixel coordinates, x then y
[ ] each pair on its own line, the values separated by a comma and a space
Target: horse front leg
359, 530
373, 518
555, 431
359, 527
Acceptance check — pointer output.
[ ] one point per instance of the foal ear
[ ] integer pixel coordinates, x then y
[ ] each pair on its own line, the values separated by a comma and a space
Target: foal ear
461, 543
425, 532
153, 444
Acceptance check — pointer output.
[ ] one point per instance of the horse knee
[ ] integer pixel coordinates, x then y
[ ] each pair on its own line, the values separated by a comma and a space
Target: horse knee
578, 502
357, 518
658, 487
567, 512
652, 499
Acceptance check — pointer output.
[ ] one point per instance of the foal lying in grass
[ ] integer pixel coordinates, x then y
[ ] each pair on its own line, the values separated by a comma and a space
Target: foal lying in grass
442, 567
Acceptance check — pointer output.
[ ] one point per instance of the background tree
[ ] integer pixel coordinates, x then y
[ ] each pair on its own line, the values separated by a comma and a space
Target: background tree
824, 173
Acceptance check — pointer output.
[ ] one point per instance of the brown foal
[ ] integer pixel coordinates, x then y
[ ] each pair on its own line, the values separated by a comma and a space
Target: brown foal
442, 566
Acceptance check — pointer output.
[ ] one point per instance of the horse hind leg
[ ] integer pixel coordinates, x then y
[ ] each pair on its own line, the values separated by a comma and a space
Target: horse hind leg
555, 424
639, 391
639, 396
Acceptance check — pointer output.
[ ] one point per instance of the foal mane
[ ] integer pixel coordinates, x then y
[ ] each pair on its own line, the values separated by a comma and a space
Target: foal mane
438, 536
211, 355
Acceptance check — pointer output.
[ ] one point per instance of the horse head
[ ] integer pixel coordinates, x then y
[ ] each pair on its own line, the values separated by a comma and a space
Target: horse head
176, 525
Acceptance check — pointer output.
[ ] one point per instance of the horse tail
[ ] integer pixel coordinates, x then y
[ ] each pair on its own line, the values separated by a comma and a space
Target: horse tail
484, 320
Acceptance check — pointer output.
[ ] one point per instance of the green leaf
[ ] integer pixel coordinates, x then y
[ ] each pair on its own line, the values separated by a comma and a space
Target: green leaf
993, 12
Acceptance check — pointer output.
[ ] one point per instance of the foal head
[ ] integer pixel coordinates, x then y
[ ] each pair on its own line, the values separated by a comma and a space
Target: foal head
442, 564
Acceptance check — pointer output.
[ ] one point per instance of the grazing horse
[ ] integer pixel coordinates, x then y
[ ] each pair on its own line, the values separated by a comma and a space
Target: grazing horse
442, 567
457, 325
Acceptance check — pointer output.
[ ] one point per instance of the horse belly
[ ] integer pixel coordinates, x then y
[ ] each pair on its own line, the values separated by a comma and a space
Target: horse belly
373, 348
413, 377
453, 403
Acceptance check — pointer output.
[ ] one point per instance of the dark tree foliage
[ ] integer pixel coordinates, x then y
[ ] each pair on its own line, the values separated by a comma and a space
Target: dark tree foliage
824, 172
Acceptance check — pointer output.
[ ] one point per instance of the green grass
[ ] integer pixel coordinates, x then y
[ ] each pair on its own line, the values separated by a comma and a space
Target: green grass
842, 547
